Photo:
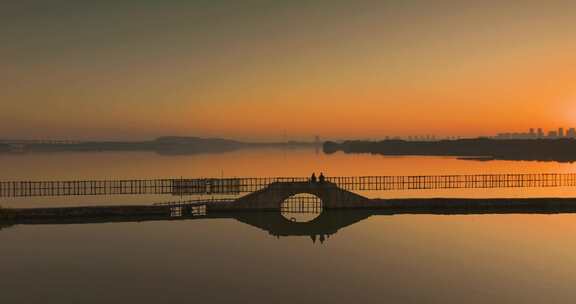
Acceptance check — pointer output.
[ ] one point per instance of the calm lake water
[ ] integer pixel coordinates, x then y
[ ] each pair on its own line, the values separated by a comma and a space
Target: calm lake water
362, 257
259, 163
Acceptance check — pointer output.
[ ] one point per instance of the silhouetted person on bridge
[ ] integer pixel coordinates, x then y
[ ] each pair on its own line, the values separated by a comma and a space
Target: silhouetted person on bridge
322, 178
313, 178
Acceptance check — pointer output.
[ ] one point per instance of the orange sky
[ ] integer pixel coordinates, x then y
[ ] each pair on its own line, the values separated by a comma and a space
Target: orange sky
258, 70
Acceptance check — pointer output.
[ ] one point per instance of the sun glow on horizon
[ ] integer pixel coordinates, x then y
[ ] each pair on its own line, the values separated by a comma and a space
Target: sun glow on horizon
344, 70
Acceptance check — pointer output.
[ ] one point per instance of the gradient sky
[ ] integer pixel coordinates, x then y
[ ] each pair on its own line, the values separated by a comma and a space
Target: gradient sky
256, 69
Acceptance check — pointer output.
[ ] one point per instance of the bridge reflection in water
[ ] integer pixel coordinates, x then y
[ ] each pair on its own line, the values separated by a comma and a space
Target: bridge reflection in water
327, 222
302, 207
320, 228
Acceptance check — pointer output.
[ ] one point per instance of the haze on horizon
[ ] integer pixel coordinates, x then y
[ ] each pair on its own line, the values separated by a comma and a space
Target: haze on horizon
256, 69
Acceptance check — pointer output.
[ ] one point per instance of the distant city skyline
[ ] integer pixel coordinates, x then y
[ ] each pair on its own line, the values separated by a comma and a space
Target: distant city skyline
534, 133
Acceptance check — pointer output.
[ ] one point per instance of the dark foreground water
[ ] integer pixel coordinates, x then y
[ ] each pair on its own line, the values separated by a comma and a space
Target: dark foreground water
376, 259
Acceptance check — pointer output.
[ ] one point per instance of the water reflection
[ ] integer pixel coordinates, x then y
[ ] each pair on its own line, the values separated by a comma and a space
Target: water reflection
326, 224
301, 207
4, 226
226, 257
318, 229
258, 163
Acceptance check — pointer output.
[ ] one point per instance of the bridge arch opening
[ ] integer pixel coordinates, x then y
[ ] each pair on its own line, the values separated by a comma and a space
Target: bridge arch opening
302, 207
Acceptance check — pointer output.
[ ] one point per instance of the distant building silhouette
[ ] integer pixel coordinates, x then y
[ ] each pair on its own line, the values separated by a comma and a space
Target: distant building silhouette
552, 134
538, 133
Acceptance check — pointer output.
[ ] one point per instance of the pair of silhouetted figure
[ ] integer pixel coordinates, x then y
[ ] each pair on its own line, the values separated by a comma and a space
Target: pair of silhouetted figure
321, 178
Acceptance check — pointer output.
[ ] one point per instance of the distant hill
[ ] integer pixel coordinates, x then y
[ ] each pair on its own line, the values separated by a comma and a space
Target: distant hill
561, 150
193, 140
187, 145
169, 145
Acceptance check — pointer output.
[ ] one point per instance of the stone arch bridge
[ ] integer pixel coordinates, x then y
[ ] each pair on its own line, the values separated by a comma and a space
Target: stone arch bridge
272, 197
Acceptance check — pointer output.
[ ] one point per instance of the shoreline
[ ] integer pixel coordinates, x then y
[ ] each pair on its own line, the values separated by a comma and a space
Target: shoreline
378, 206
477, 149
